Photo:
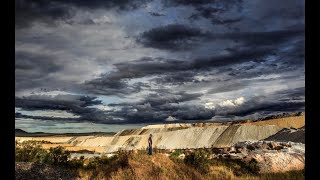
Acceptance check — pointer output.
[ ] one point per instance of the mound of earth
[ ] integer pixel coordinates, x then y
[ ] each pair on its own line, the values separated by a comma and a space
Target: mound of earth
294, 135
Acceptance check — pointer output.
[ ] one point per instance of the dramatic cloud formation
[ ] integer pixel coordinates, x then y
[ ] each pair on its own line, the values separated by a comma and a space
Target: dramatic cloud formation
171, 37
147, 61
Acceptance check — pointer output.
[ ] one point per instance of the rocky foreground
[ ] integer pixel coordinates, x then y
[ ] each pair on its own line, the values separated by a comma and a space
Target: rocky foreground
271, 156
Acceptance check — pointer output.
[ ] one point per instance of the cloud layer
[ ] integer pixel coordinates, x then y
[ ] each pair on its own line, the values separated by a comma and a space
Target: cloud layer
118, 62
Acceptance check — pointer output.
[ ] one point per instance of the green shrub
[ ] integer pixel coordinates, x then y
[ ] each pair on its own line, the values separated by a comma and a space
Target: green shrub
75, 163
57, 156
176, 153
98, 162
122, 158
199, 159
29, 151
253, 166
32, 151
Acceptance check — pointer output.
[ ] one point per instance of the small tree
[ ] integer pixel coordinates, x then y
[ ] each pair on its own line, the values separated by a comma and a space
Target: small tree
58, 156
29, 151
199, 159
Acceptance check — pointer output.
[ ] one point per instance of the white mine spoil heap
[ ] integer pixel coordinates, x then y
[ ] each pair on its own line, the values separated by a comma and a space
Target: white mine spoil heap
180, 136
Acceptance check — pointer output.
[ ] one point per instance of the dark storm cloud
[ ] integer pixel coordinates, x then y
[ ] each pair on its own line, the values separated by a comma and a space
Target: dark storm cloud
178, 72
191, 2
218, 20
225, 21
20, 115
35, 62
291, 100
160, 98
163, 96
48, 11
114, 81
122, 4
270, 108
27, 11
213, 10
181, 37
148, 113
213, 13
156, 14
33, 69
193, 112
173, 36
283, 62
178, 112
157, 107
293, 94
230, 59
94, 116
226, 4
263, 38
177, 78
105, 86
228, 86
73, 103
218, 48
280, 9
76, 104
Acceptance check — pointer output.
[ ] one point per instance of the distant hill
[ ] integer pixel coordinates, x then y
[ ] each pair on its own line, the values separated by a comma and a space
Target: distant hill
22, 133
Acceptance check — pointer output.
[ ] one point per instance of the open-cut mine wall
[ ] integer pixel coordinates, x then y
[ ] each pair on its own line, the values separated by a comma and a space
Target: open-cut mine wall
178, 136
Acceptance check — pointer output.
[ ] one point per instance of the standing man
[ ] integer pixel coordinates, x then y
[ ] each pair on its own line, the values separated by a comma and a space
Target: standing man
150, 145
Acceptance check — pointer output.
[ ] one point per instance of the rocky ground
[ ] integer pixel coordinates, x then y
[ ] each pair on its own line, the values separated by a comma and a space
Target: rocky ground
289, 134
271, 156
37, 171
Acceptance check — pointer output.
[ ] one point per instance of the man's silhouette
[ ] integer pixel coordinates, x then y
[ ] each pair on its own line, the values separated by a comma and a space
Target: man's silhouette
150, 145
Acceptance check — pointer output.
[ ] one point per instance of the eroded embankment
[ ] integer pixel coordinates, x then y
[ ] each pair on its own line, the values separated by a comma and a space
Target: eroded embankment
179, 136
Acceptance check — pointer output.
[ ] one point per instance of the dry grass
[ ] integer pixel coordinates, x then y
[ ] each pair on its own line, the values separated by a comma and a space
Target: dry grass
221, 172
140, 166
161, 167
157, 166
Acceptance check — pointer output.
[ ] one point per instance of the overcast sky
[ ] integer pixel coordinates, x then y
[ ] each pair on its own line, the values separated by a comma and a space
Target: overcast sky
142, 61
